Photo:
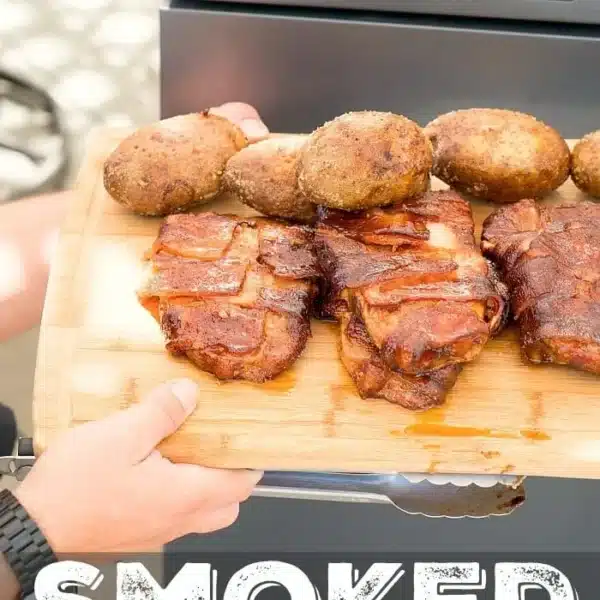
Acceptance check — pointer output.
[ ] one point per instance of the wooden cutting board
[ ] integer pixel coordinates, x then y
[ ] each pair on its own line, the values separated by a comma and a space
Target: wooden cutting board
100, 351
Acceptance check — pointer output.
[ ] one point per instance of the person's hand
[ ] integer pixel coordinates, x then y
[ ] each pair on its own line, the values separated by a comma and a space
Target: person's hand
245, 117
103, 486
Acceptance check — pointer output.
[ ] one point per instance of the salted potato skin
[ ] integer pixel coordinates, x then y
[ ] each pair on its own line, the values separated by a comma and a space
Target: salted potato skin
263, 176
364, 159
498, 155
585, 164
172, 165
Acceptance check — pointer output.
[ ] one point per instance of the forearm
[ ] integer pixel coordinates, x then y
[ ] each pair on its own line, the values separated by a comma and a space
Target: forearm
28, 230
9, 586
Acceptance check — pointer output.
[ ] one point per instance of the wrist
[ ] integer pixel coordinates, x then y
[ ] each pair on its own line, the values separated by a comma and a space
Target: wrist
8, 580
44, 514
23, 546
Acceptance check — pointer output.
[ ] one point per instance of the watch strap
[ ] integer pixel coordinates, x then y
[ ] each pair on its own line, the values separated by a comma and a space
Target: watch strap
22, 543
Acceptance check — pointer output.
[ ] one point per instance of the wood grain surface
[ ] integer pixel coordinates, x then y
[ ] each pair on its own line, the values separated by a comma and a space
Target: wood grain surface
100, 351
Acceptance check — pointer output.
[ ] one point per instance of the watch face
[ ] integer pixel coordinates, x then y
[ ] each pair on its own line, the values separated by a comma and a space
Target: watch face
33, 149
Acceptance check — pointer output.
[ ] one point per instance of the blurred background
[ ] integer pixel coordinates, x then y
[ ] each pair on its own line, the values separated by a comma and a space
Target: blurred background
98, 60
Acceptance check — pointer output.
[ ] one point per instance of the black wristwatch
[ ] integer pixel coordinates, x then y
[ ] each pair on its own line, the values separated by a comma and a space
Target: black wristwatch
22, 543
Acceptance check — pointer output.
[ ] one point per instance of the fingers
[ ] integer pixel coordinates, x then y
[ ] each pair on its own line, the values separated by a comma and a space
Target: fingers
197, 488
207, 522
244, 116
211, 488
137, 431
236, 111
199, 523
214, 521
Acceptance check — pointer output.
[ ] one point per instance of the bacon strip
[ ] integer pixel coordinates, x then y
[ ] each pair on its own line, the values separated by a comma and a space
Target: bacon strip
550, 260
412, 292
233, 295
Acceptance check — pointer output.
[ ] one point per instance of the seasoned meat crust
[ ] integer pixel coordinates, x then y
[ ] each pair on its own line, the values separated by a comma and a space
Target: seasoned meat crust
413, 273
585, 164
233, 295
498, 155
171, 165
550, 260
263, 176
364, 159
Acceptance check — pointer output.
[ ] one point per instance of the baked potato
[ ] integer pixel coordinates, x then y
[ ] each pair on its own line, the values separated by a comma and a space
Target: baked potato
498, 155
170, 166
263, 176
585, 164
365, 159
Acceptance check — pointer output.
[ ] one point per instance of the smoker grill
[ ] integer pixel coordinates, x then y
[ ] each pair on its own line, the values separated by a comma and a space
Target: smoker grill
303, 62
555, 11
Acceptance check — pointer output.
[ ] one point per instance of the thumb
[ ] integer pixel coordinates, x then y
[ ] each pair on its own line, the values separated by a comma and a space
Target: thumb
139, 429
246, 117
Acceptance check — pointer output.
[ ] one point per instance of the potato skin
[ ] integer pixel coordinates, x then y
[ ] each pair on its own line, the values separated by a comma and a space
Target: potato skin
585, 164
263, 176
498, 155
364, 159
172, 165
